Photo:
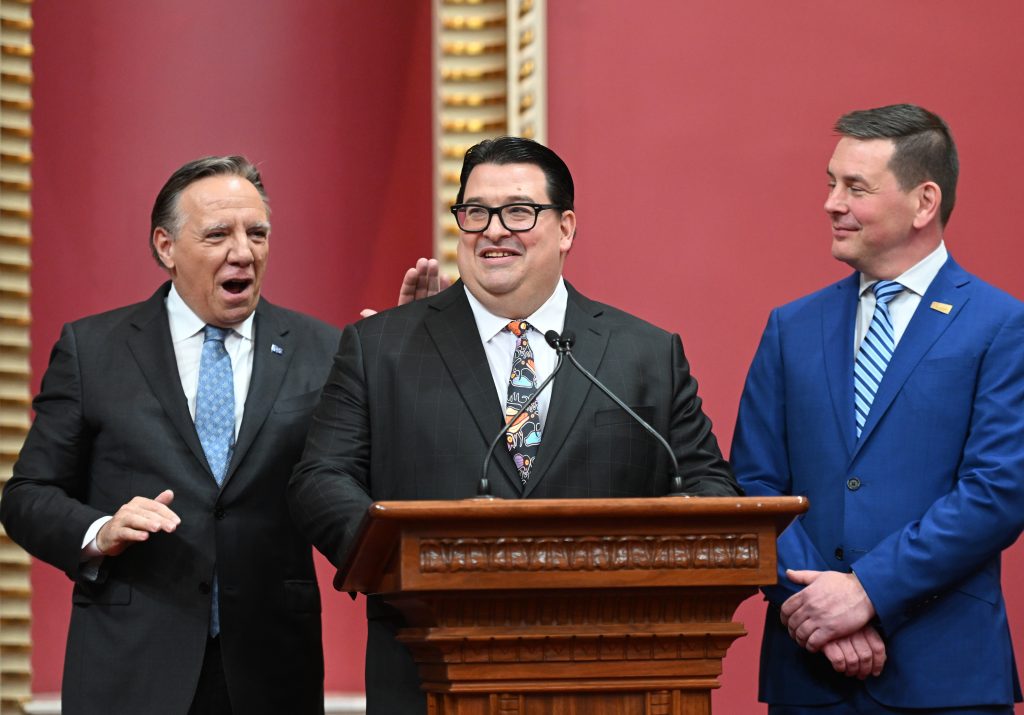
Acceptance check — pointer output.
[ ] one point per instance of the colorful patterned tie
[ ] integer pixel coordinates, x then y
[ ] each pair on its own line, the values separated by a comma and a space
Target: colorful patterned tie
215, 422
875, 352
523, 436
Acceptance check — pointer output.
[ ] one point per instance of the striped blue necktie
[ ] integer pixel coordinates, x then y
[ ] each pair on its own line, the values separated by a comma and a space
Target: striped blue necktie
215, 422
875, 352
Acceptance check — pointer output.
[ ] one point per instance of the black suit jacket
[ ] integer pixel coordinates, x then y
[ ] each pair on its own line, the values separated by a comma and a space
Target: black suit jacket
410, 408
112, 422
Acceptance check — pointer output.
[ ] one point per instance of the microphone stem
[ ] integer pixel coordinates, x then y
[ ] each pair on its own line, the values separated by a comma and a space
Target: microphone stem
484, 487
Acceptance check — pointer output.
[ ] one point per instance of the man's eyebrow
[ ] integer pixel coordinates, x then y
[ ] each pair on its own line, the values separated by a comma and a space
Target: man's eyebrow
849, 178
517, 199
226, 226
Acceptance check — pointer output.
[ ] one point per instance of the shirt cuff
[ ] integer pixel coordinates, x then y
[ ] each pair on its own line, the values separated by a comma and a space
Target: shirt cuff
89, 548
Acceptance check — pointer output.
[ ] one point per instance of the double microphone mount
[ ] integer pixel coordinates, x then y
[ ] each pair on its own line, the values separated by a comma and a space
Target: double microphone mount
562, 344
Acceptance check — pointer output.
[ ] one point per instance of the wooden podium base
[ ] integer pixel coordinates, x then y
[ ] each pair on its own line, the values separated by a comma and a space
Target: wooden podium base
569, 607
573, 652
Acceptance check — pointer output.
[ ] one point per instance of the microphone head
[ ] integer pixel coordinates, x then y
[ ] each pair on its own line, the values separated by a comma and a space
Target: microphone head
568, 338
552, 338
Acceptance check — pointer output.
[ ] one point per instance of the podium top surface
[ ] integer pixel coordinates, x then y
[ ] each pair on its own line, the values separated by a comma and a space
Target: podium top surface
473, 509
373, 566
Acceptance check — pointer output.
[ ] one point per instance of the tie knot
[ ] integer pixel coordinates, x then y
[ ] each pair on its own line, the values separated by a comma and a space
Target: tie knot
886, 291
518, 327
212, 332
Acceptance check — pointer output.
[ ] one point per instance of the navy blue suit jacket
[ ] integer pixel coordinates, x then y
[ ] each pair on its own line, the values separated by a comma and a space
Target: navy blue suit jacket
920, 507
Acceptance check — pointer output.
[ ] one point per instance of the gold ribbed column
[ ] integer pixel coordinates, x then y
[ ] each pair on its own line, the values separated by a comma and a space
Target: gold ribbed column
489, 80
15, 239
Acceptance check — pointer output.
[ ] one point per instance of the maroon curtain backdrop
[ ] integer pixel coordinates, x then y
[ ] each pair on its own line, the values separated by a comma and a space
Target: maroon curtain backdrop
698, 134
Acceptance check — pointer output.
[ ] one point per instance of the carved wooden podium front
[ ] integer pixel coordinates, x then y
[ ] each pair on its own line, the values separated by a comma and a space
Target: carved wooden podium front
569, 606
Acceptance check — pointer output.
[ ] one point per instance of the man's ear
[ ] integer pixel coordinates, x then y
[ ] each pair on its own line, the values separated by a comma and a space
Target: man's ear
163, 243
929, 203
567, 228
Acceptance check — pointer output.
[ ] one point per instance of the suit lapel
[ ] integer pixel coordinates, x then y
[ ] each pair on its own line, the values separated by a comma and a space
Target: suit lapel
272, 354
924, 329
452, 328
571, 387
151, 346
838, 315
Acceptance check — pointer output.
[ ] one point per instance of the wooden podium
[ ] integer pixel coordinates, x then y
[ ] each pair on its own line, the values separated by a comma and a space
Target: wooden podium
569, 606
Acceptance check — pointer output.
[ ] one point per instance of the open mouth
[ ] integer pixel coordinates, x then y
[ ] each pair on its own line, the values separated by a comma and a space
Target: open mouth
497, 253
237, 285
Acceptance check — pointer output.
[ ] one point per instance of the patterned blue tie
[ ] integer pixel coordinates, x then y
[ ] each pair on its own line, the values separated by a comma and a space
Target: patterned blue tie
875, 352
523, 436
215, 421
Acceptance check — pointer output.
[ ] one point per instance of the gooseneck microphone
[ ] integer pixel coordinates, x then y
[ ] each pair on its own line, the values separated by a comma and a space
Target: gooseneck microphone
563, 343
483, 488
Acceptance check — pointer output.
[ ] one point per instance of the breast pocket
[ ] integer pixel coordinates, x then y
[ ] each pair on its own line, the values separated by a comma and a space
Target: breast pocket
945, 383
618, 416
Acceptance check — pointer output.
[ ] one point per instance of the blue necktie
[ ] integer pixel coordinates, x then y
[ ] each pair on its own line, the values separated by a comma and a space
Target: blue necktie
215, 421
523, 436
875, 352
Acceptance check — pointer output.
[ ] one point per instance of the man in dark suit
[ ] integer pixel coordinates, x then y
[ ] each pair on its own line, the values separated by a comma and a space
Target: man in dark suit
418, 393
193, 591
894, 400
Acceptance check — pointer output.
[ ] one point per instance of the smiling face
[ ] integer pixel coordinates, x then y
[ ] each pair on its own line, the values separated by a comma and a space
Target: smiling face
513, 273
219, 254
876, 224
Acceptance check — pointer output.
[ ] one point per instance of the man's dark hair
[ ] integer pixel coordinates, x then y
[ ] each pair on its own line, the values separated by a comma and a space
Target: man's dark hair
924, 151
165, 209
516, 150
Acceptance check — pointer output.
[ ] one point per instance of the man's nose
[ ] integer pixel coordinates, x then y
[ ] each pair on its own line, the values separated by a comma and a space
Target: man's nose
834, 202
495, 227
241, 249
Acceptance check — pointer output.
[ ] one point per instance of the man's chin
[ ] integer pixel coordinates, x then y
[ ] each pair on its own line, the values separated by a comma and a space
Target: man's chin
235, 313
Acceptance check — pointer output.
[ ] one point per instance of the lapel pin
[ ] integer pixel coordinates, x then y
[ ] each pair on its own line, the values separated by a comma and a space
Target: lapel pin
278, 350
941, 307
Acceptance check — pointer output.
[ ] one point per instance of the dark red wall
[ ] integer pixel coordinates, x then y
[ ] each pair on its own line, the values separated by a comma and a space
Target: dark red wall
332, 99
698, 134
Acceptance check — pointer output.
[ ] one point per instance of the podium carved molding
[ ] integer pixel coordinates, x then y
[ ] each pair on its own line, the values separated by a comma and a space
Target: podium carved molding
608, 553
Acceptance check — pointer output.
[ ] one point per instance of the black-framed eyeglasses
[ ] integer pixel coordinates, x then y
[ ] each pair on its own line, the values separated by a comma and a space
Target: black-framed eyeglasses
474, 218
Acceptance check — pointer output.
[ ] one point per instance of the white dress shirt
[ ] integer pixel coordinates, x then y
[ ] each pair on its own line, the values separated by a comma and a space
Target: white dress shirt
499, 344
187, 337
901, 308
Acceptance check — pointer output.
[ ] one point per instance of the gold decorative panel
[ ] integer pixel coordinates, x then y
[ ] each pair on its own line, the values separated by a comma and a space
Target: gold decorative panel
489, 79
15, 262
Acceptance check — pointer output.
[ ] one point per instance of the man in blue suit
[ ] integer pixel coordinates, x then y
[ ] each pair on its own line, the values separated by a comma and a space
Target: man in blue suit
893, 400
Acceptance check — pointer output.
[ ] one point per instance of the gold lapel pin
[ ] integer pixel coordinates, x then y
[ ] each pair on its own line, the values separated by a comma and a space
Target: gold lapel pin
941, 307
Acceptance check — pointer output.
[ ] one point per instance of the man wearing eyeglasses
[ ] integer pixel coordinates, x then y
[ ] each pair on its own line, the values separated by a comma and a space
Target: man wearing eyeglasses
418, 393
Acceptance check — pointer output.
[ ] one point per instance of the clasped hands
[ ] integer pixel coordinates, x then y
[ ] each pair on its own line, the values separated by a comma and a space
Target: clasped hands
832, 615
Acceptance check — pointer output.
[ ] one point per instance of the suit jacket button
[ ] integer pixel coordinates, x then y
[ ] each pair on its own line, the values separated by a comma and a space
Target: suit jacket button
839, 553
218, 513
204, 587
853, 484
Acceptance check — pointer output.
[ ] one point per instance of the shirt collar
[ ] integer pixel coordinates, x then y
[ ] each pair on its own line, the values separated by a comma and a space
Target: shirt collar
550, 316
185, 323
918, 277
